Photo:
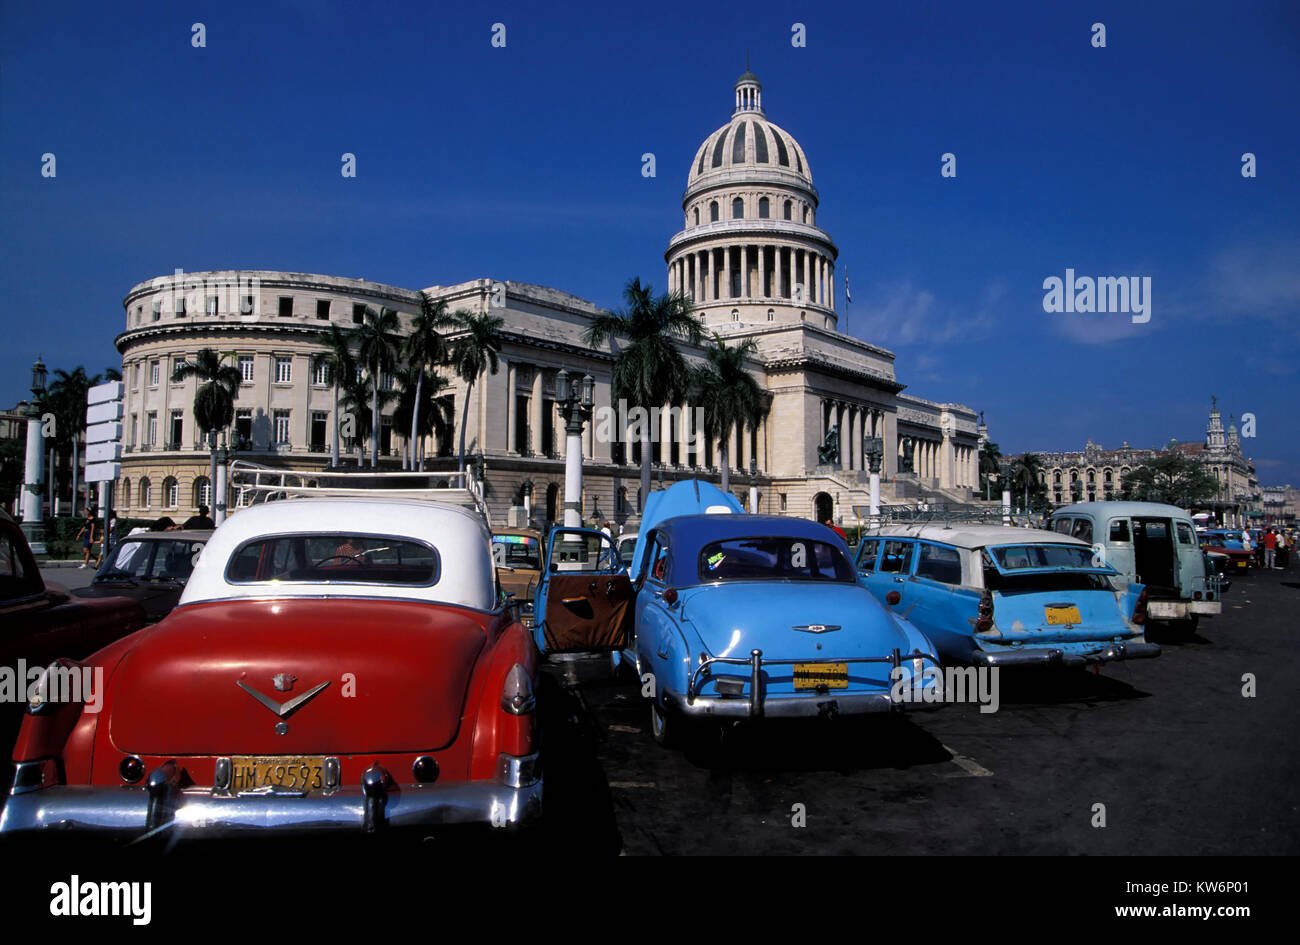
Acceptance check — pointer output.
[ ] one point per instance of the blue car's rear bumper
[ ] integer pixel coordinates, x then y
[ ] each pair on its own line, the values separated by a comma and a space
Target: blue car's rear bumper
1065, 655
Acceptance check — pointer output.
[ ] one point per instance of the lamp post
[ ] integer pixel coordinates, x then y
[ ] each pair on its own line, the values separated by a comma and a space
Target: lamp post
33, 527
1004, 473
574, 396
753, 485
222, 454
875, 450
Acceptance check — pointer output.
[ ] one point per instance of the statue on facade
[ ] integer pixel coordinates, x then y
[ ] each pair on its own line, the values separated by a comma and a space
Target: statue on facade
905, 455
828, 454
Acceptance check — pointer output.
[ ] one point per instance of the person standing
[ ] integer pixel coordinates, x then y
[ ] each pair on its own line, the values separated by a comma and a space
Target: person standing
110, 539
87, 537
1270, 550
201, 520
1283, 550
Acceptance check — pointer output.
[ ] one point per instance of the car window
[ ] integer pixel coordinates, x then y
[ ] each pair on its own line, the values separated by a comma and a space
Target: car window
516, 551
781, 558
897, 557
1023, 557
582, 551
334, 558
130, 559
1119, 529
1082, 529
867, 554
1185, 535
938, 563
656, 559
15, 581
1063, 525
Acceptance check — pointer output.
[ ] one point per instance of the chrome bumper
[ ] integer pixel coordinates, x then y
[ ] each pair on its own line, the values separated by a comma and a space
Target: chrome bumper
1207, 607
1167, 609
1051, 656
758, 703
159, 807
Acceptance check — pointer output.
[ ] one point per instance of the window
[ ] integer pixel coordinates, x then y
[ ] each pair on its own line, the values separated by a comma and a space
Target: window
1185, 535
244, 427
385, 380
867, 555
897, 557
1119, 529
335, 558
774, 558
178, 430
178, 362
738, 145
358, 314
520, 445
697, 216
246, 305
771, 315
171, 493
283, 370
246, 368
180, 306
516, 551
15, 580
735, 314
939, 563
157, 310
137, 375
124, 500
1082, 530
1063, 525
323, 309
210, 306
320, 374
788, 205
144, 493
155, 373
319, 424
281, 427
713, 212
784, 505
286, 306
151, 432
202, 492
762, 208
135, 429
737, 209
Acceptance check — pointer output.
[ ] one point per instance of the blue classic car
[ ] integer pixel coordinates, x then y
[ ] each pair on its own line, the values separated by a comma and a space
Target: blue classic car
738, 616
1002, 596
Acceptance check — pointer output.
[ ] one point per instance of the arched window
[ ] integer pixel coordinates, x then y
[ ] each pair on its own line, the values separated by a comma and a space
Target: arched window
737, 209
144, 493
771, 315
1092, 476
805, 214
1056, 477
202, 492
697, 216
762, 208
124, 500
788, 205
713, 212
171, 493
735, 314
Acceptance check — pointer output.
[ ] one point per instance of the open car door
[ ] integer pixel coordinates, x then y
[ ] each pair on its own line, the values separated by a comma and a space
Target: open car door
584, 600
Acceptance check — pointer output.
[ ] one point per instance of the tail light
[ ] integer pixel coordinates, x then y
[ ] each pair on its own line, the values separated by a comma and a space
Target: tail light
1196, 595
517, 694
985, 618
1140, 609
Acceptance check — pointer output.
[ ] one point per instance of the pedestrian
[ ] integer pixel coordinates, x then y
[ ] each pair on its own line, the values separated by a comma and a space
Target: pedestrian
201, 520
110, 539
836, 529
1283, 550
164, 524
1270, 550
87, 537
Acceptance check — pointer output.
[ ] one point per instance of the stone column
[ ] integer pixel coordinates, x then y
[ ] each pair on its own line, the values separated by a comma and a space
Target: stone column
535, 412
699, 276
725, 288
803, 278
857, 438
830, 281
762, 271
512, 419
684, 437
744, 273
665, 436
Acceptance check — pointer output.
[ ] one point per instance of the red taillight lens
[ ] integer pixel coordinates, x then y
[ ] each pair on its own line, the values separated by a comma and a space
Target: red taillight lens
1196, 595
1140, 609
984, 619
517, 694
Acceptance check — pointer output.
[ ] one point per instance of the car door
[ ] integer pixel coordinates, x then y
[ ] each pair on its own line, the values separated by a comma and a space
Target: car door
656, 623
585, 596
892, 572
939, 608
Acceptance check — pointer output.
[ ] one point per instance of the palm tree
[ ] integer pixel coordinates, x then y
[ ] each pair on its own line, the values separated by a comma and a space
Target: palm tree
1025, 476
214, 401
649, 370
363, 402
474, 352
732, 399
419, 399
341, 365
425, 347
377, 350
66, 398
990, 463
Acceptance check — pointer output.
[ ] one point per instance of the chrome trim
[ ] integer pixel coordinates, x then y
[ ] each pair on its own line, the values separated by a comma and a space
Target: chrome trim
1209, 607
162, 787
374, 785
788, 707
519, 771
818, 627
221, 776
1052, 656
282, 709
330, 776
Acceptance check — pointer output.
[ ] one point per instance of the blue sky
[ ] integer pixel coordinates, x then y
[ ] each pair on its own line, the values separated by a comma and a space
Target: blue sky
525, 163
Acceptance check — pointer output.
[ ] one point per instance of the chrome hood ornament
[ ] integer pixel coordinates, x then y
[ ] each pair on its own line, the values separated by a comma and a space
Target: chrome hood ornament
817, 627
282, 709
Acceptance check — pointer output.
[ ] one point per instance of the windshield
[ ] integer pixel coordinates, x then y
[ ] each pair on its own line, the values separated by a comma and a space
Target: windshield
774, 559
333, 558
150, 561
1076, 570
516, 551
1028, 557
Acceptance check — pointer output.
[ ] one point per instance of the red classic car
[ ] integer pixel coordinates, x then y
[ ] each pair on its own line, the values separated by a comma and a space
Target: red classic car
40, 622
332, 663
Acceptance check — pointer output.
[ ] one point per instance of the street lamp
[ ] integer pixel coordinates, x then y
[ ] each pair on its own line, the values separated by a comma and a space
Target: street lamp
574, 396
34, 468
753, 485
219, 484
874, 447
1004, 472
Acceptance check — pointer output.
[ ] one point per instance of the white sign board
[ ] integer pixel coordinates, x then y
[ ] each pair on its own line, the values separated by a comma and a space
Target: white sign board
103, 432
103, 452
102, 393
104, 413
102, 472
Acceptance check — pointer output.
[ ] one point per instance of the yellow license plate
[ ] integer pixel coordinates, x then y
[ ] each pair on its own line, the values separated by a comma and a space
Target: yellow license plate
251, 772
821, 675
1060, 615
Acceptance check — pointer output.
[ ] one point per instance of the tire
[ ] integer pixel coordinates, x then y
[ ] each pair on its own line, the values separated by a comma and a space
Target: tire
663, 726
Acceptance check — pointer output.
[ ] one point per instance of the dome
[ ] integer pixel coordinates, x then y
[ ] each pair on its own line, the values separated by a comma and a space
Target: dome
751, 143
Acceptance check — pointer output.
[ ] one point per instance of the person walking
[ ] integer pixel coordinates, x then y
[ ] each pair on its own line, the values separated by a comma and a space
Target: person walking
110, 540
1270, 550
1283, 550
87, 537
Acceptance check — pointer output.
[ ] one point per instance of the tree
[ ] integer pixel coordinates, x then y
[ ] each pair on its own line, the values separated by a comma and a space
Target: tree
214, 401
363, 402
1173, 479
425, 347
731, 398
990, 464
377, 343
472, 353
339, 362
419, 399
650, 370
1026, 478
66, 399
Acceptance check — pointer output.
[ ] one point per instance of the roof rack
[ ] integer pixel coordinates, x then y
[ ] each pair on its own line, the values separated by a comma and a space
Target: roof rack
935, 514
253, 484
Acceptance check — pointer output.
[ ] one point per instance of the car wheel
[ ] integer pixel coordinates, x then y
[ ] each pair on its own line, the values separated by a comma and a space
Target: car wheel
663, 725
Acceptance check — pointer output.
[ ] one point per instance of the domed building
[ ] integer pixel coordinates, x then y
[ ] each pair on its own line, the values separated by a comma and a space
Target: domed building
750, 255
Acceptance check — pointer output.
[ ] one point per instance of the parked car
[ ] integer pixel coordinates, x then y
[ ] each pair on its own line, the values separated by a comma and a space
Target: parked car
41, 622
332, 664
1002, 596
626, 544
151, 567
734, 616
1148, 543
517, 554
1222, 543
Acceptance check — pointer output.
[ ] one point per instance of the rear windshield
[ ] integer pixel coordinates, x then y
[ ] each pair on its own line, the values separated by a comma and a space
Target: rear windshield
774, 559
1072, 559
150, 561
1025, 557
334, 558
516, 551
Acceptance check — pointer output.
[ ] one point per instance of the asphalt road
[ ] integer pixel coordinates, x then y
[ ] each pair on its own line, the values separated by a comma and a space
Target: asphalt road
1183, 763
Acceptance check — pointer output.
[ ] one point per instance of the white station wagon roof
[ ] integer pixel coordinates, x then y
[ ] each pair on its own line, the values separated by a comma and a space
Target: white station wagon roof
461, 538
1101, 509
972, 536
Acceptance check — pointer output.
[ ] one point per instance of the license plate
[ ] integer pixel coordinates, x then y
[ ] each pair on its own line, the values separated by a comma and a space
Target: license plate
1242, 564
1063, 615
821, 675
250, 772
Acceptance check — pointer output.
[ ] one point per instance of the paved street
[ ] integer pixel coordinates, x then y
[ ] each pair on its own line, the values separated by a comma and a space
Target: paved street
1182, 762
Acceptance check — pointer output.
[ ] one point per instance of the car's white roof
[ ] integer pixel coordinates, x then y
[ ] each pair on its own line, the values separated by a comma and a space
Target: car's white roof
964, 535
1119, 507
460, 536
